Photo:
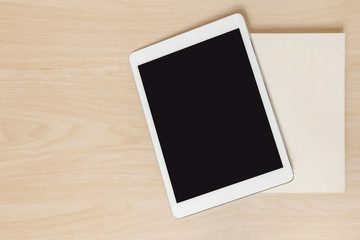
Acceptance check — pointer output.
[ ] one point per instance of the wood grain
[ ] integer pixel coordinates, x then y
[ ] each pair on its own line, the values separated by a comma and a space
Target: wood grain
76, 159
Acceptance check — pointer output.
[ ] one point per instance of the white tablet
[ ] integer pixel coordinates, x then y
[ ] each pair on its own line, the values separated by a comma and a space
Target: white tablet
209, 115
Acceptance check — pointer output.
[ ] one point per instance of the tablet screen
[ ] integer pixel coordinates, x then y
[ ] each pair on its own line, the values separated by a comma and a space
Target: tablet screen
209, 116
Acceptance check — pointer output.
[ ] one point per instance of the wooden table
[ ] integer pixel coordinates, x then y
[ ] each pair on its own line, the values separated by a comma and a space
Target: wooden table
76, 159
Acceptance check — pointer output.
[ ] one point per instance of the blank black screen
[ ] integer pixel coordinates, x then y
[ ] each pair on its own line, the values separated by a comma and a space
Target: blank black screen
209, 117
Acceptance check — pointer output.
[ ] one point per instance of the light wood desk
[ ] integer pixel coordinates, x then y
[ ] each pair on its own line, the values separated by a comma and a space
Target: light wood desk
76, 159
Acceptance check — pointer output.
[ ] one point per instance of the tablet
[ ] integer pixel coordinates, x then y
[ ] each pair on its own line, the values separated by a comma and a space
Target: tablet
209, 116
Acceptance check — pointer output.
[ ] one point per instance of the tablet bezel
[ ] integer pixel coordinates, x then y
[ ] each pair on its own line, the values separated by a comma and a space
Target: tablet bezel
237, 190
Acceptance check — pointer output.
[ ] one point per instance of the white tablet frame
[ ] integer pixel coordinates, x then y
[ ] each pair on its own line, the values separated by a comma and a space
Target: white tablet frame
237, 190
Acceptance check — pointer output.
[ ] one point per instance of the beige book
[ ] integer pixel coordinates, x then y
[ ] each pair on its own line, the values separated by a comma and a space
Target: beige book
305, 78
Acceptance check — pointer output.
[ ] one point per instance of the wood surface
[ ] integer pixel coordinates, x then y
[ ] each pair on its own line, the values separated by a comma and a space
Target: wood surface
76, 159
